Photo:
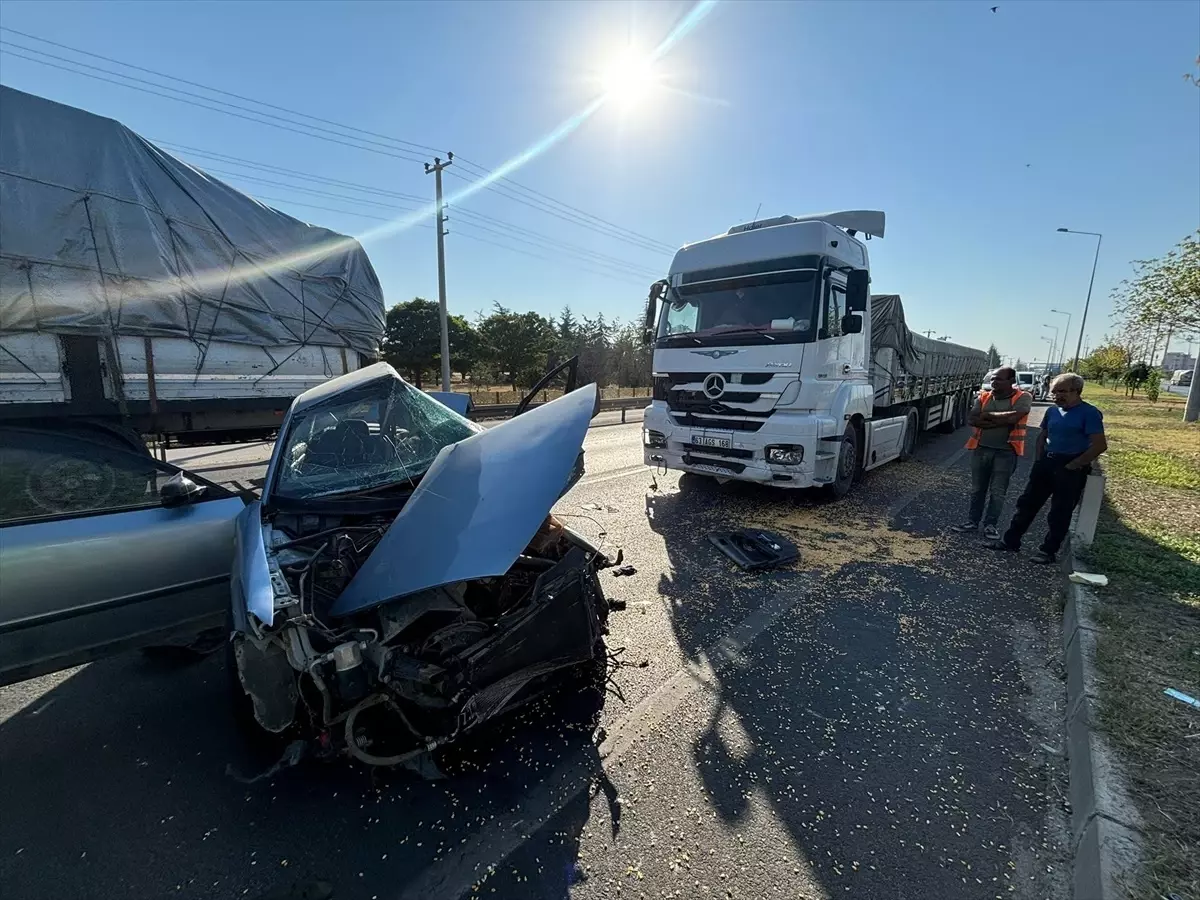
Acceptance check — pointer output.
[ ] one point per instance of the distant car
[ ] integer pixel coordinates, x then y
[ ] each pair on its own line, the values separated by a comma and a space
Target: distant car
1182, 378
1028, 381
102, 550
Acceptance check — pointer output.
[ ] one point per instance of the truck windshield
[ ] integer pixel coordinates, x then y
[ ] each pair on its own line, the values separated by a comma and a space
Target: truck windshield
382, 433
756, 308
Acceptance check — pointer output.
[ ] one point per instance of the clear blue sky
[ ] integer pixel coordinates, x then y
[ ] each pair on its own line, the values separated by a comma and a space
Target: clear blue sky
978, 133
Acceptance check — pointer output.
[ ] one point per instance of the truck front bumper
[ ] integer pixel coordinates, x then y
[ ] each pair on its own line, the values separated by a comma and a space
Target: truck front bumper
743, 455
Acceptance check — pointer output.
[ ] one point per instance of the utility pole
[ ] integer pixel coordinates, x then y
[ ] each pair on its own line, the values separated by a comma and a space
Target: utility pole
436, 169
929, 333
1192, 411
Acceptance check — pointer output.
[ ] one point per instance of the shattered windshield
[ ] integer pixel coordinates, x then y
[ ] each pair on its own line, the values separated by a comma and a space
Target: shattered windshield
385, 432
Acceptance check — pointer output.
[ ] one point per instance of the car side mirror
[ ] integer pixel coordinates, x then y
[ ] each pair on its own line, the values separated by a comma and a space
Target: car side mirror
858, 286
852, 324
179, 490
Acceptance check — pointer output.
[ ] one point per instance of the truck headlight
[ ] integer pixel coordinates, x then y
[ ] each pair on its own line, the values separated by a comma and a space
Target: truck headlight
786, 454
660, 388
654, 438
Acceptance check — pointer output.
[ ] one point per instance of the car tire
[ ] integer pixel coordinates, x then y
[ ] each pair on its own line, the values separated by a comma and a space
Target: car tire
846, 467
258, 740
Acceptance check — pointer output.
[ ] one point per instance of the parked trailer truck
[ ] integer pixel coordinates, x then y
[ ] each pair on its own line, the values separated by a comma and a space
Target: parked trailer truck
140, 296
773, 362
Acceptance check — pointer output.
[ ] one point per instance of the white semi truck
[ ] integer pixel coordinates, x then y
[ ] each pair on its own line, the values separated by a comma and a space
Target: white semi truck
773, 362
140, 296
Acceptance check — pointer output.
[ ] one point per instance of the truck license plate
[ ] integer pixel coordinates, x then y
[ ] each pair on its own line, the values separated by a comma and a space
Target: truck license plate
711, 440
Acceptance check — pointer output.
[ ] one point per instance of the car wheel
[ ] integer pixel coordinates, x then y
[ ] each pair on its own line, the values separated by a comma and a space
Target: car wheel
846, 471
258, 740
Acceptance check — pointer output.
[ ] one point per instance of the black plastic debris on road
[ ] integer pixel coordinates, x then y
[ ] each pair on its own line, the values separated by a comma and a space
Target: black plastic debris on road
754, 550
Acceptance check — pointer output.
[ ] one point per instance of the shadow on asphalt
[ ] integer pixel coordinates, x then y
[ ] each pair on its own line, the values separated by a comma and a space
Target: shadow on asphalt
888, 709
886, 696
101, 777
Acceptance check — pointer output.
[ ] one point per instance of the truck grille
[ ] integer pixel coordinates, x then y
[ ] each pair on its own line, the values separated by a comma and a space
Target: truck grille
743, 422
734, 467
727, 452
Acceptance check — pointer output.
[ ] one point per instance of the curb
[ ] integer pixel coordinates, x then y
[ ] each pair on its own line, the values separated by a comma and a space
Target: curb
1105, 831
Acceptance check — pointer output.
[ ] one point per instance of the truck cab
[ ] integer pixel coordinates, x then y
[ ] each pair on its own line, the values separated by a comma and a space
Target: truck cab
773, 362
760, 341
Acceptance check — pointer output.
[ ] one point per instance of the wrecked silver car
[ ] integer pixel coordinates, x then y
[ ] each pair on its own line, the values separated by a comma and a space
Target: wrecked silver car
401, 581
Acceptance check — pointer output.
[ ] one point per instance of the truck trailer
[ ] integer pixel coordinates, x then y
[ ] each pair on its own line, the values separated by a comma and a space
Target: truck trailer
773, 362
140, 296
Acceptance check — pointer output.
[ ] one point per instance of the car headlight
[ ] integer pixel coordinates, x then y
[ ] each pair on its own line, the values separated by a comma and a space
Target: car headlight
786, 454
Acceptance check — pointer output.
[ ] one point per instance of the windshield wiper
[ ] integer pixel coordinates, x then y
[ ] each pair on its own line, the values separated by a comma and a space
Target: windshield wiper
738, 332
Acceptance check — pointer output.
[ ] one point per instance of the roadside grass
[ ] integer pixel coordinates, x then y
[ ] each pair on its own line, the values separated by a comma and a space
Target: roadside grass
1148, 543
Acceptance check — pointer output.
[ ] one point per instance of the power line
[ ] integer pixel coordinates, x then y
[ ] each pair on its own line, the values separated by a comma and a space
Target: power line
293, 112
577, 215
134, 87
281, 170
665, 247
541, 239
566, 217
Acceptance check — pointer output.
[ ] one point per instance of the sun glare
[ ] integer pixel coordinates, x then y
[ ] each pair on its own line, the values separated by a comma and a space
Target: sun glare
629, 80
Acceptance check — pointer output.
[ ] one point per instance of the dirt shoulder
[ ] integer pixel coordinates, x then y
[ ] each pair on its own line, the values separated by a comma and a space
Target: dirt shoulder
1148, 543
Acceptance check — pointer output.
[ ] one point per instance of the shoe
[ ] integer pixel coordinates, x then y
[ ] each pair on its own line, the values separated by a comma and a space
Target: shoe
1000, 545
991, 532
1043, 558
965, 527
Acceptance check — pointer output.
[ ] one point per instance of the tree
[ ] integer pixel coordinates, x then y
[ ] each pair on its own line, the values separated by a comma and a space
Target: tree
1019, 364
1164, 296
993, 357
1107, 361
412, 340
516, 345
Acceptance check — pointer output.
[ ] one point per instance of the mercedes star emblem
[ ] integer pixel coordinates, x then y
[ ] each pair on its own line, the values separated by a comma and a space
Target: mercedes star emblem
714, 386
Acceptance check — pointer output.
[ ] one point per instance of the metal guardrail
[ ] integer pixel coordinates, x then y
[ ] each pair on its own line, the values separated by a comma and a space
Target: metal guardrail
505, 410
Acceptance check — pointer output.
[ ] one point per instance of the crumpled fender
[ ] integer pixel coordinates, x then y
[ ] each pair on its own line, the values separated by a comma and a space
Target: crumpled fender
479, 505
250, 582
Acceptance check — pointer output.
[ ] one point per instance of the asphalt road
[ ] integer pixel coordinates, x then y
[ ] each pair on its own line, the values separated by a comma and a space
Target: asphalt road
881, 720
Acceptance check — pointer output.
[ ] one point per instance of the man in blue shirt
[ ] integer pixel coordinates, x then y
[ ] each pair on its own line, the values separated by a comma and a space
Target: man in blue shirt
1071, 437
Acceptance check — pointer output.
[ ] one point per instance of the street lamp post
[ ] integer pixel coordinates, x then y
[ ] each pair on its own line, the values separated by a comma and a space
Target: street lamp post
1086, 303
1053, 345
1066, 335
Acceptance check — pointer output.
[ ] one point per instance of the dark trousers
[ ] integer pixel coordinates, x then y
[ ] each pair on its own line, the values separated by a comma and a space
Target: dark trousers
991, 471
1051, 480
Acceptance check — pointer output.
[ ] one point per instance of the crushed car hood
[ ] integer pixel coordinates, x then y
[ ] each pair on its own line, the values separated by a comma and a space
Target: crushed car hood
478, 506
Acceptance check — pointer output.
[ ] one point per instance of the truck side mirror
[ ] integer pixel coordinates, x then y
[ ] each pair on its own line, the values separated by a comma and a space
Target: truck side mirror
858, 284
656, 290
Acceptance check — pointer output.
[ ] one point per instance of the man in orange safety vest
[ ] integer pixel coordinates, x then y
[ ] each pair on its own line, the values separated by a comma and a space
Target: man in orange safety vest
997, 443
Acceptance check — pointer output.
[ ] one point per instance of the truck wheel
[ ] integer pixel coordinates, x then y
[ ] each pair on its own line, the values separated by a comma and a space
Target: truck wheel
691, 483
847, 465
909, 446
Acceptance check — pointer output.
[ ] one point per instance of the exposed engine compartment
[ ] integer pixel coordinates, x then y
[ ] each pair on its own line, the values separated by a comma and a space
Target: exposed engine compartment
390, 682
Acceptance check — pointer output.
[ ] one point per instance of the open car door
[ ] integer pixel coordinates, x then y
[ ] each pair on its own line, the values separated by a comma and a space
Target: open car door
103, 550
